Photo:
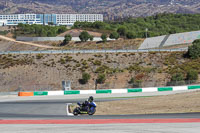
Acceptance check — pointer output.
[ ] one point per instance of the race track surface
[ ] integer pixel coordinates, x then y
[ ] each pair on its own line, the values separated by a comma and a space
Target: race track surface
47, 115
56, 109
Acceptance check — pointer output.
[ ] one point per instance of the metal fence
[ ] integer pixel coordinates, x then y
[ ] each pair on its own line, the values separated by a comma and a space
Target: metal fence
92, 51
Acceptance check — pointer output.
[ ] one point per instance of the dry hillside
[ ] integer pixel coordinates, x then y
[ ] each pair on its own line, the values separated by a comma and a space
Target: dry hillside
45, 71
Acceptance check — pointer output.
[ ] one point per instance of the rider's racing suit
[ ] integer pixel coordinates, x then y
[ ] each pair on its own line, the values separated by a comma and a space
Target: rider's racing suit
92, 106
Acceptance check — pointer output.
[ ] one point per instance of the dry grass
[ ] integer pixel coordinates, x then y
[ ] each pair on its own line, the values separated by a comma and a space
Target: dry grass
177, 103
116, 44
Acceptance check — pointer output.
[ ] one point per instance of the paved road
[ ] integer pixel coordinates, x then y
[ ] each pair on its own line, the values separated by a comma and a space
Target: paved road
104, 128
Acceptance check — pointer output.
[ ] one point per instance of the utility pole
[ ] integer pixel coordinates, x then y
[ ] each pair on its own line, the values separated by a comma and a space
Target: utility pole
146, 31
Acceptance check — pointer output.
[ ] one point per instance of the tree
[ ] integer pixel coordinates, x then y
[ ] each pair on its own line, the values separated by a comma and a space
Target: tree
114, 35
101, 78
130, 35
50, 23
62, 29
122, 31
67, 39
84, 36
50, 33
85, 78
99, 25
194, 50
42, 33
104, 37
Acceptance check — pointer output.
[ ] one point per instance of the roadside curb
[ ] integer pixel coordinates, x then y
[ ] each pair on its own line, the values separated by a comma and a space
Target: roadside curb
100, 121
109, 91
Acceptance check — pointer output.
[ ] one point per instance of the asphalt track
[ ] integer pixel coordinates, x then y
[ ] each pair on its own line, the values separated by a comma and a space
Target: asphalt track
56, 109
48, 115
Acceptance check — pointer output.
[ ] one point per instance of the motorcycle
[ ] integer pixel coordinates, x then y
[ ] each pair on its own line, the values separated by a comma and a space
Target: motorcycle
85, 108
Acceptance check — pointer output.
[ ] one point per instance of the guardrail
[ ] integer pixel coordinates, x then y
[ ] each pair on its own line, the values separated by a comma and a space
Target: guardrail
92, 51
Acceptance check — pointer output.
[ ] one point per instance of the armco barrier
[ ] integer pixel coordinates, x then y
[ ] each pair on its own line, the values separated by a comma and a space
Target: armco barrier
109, 91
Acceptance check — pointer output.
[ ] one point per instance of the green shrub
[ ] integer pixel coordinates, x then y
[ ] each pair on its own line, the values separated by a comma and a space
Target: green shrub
67, 39
62, 61
135, 83
97, 62
130, 35
176, 79
104, 37
101, 79
192, 75
85, 78
39, 56
194, 50
114, 35
91, 38
122, 31
84, 36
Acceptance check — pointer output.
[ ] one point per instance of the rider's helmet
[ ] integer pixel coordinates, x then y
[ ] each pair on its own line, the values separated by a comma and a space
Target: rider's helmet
90, 99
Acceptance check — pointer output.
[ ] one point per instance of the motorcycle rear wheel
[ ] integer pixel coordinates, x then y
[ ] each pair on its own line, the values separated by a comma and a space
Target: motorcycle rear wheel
76, 111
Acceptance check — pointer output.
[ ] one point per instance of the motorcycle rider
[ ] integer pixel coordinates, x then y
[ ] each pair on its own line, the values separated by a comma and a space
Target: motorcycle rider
89, 103
92, 104
88, 106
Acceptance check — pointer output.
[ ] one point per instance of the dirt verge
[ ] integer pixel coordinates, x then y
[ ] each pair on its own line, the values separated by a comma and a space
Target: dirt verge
177, 103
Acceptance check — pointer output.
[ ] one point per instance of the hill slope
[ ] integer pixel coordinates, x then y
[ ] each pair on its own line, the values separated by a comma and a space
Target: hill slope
110, 8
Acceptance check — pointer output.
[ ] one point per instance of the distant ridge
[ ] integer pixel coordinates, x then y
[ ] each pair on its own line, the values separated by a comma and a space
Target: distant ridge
112, 9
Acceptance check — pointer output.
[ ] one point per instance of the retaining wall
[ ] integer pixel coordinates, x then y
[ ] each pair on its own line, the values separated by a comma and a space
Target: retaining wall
173, 39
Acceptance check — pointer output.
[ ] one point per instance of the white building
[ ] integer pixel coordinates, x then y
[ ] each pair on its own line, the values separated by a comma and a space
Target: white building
56, 19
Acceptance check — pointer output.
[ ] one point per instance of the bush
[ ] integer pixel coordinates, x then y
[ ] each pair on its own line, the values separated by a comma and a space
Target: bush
67, 39
114, 35
91, 38
85, 78
39, 56
84, 36
135, 83
194, 50
101, 79
176, 79
192, 75
104, 37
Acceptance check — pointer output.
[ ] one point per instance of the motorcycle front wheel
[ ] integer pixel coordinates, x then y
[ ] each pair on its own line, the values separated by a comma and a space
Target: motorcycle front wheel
91, 112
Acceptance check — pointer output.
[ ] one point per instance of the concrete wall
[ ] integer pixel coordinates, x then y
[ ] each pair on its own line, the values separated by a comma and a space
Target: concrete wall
182, 38
173, 39
153, 42
28, 39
